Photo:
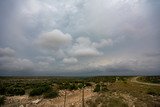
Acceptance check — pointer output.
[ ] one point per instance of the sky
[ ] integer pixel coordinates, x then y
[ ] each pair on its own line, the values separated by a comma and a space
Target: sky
79, 37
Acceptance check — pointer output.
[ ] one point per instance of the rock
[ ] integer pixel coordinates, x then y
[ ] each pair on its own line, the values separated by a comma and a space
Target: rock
27, 105
36, 101
21, 106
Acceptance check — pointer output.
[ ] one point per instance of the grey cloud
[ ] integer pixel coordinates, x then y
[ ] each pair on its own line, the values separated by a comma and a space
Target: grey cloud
47, 59
153, 54
83, 47
10, 62
70, 60
103, 43
6, 52
85, 52
96, 36
54, 39
135, 64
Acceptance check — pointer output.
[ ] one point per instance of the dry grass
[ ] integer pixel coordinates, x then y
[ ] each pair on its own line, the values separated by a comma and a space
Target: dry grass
138, 91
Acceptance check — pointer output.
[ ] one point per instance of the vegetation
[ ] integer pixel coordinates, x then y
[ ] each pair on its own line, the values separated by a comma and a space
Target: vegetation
2, 90
102, 79
114, 102
106, 101
153, 92
11, 90
48, 87
73, 86
97, 88
100, 88
15, 91
151, 79
45, 90
40, 90
36, 91
51, 94
2, 99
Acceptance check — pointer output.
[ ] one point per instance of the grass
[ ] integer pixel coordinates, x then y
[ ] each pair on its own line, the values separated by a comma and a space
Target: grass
115, 102
141, 92
150, 79
154, 92
106, 100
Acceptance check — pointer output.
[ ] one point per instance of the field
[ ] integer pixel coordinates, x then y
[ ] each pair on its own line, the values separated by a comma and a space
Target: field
100, 91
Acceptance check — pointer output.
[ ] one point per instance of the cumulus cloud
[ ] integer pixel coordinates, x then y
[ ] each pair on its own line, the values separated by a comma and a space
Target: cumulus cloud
103, 43
84, 47
8, 61
85, 51
6, 52
54, 39
53, 30
47, 59
70, 60
15, 64
43, 66
21, 64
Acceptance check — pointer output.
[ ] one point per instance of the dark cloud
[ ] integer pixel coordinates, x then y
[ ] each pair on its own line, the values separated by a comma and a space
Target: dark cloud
79, 37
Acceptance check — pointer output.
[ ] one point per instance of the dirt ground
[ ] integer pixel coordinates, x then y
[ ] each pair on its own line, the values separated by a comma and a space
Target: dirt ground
73, 99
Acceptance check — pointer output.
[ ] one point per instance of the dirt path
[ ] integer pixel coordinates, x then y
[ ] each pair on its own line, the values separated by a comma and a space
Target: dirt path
134, 79
73, 99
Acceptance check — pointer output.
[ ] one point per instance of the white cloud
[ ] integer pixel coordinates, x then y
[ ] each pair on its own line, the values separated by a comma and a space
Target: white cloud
70, 60
54, 39
77, 51
84, 47
83, 41
103, 43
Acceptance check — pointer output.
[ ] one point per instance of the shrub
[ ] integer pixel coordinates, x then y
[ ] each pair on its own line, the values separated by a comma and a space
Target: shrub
2, 90
97, 88
2, 100
88, 84
51, 94
152, 79
80, 86
104, 88
36, 91
73, 87
46, 88
40, 90
101, 88
64, 86
153, 92
15, 91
